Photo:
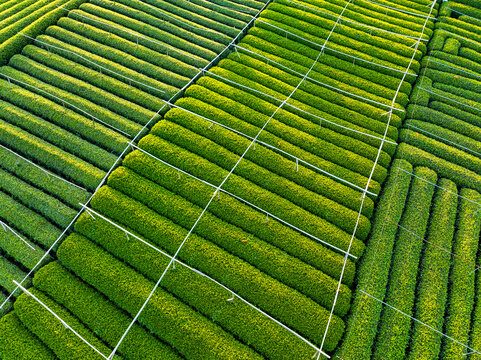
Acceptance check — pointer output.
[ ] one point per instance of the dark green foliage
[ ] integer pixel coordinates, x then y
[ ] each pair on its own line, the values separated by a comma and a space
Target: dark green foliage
373, 273
434, 273
239, 214
66, 118
393, 333
462, 279
18, 343
37, 200
27, 222
194, 336
57, 136
98, 313
22, 169
10, 272
51, 157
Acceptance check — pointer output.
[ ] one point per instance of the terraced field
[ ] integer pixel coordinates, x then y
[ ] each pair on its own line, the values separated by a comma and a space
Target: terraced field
198, 180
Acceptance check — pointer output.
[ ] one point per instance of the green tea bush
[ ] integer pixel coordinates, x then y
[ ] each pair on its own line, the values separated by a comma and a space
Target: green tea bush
235, 317
70, 194
113, 59
462, 287
304, 175
434, 275
270, 260
99, 314
66, 118
373, 273
236, 274
284, 209
186, 330
65, 344
18, 343
35, 199
241, 215
51, 157
126, 43
57, 136
251, 172
393, 333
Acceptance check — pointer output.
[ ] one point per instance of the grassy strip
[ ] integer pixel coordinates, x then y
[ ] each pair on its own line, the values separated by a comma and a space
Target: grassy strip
245, 323
18, 343
57, 136
249, 282
240, 215
282, 208
99, 314
461, 279
433, 281
27, 222
456, 112
66, 118
65, 344
298, 195
52, 157
190, 333
264, 257
117, 61
373, 273
36, 199
393, 332
269, 159
462, 176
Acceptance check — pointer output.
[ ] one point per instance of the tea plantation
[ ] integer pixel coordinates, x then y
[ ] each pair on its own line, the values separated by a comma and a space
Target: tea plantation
239, 179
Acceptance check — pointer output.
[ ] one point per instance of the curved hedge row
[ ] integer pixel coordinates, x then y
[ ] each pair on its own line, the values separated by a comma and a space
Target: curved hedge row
106, 320
236, 274
434, 274
240, 215
174, 322
394, 329
65, 344
56, 135
307, 200
266, 337
18, 343
264, 257
272, 203
461, 279
373, 273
